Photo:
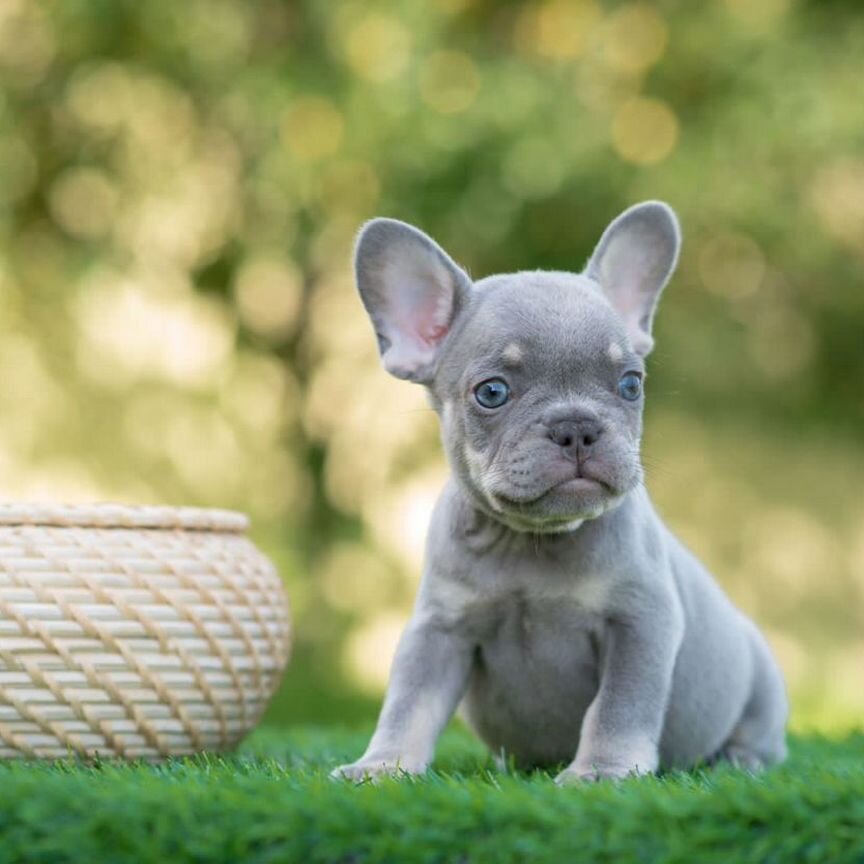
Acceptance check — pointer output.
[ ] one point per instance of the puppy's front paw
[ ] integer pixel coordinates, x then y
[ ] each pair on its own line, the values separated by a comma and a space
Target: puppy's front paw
589, 771
743, 758
572, 776
373, 769
611, 760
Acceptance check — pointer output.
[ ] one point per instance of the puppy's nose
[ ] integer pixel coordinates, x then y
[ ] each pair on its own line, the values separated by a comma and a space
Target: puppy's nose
574, 435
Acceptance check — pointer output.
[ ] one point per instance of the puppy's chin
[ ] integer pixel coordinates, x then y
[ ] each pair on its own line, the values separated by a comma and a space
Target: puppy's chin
564, 507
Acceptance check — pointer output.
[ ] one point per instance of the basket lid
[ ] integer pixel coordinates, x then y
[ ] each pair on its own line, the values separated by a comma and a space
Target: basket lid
107, 515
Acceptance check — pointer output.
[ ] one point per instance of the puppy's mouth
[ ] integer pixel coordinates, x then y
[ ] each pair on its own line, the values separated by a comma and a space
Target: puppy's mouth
560, 504
580, 484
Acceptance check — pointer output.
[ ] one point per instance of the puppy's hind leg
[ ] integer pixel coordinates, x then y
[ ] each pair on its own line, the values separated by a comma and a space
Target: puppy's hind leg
759, 738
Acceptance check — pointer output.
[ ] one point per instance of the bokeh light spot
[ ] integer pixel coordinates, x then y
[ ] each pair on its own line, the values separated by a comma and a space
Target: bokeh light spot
217, 33
369, 650
268, 292
378, 48
731, 266
635, 38
556, 29
790, 545
132, 328
449, 82
351, 185
355, 579
401, 518
27, 42
644, 131
82, 202
758, 15
98, 95
837, 195
312, 128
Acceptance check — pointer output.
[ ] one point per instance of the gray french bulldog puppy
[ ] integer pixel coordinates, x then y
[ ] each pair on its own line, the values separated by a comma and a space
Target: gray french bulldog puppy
555, 605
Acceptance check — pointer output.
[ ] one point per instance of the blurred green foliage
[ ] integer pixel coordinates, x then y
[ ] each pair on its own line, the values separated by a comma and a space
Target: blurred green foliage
179, 188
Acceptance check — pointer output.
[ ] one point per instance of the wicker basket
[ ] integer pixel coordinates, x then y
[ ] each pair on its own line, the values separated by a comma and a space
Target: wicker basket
136, 632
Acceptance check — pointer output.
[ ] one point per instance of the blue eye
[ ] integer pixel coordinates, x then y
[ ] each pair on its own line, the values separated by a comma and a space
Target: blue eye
492, 393
630, 386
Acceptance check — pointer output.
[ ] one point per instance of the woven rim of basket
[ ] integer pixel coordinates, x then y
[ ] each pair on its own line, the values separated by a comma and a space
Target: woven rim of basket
122, 516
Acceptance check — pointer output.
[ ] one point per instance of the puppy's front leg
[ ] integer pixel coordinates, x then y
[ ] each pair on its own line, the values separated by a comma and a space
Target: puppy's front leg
428, 678
622, 727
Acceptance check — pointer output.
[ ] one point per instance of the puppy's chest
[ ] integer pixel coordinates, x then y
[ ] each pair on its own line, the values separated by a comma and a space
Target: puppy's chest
534, 621
538, 639
529, 605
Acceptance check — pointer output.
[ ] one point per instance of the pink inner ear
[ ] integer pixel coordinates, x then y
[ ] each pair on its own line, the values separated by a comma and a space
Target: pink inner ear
423, 314
415, 317
432, 334
423, 326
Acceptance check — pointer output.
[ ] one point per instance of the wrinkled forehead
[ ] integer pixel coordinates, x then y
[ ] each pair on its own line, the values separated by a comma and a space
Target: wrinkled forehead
542, 322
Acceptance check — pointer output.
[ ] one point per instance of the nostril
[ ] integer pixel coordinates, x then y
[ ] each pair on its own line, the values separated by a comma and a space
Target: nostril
589, 439
563, 434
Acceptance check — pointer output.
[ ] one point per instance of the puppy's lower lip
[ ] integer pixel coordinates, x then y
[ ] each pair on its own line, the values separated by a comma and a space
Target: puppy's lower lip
571, 484
576, 484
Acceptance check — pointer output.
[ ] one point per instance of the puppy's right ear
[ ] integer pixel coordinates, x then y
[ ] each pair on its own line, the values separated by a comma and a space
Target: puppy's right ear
412, 290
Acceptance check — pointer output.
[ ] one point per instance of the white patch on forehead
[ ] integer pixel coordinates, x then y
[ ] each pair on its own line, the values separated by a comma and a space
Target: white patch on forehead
616, 352
512, 354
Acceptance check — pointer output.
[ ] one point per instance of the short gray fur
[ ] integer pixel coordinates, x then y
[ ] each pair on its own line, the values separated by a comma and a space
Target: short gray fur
555, 606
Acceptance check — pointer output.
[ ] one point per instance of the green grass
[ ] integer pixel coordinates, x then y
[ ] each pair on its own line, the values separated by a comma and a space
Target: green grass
273, 802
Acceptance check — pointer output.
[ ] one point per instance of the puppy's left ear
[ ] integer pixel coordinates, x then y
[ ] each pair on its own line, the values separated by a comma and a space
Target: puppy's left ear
412, 290
633, 261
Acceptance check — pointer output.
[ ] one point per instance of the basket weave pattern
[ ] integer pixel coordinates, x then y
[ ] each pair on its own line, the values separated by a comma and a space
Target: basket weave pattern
134, 632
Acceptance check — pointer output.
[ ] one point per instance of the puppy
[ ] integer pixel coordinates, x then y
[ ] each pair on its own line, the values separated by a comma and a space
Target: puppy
555, 605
